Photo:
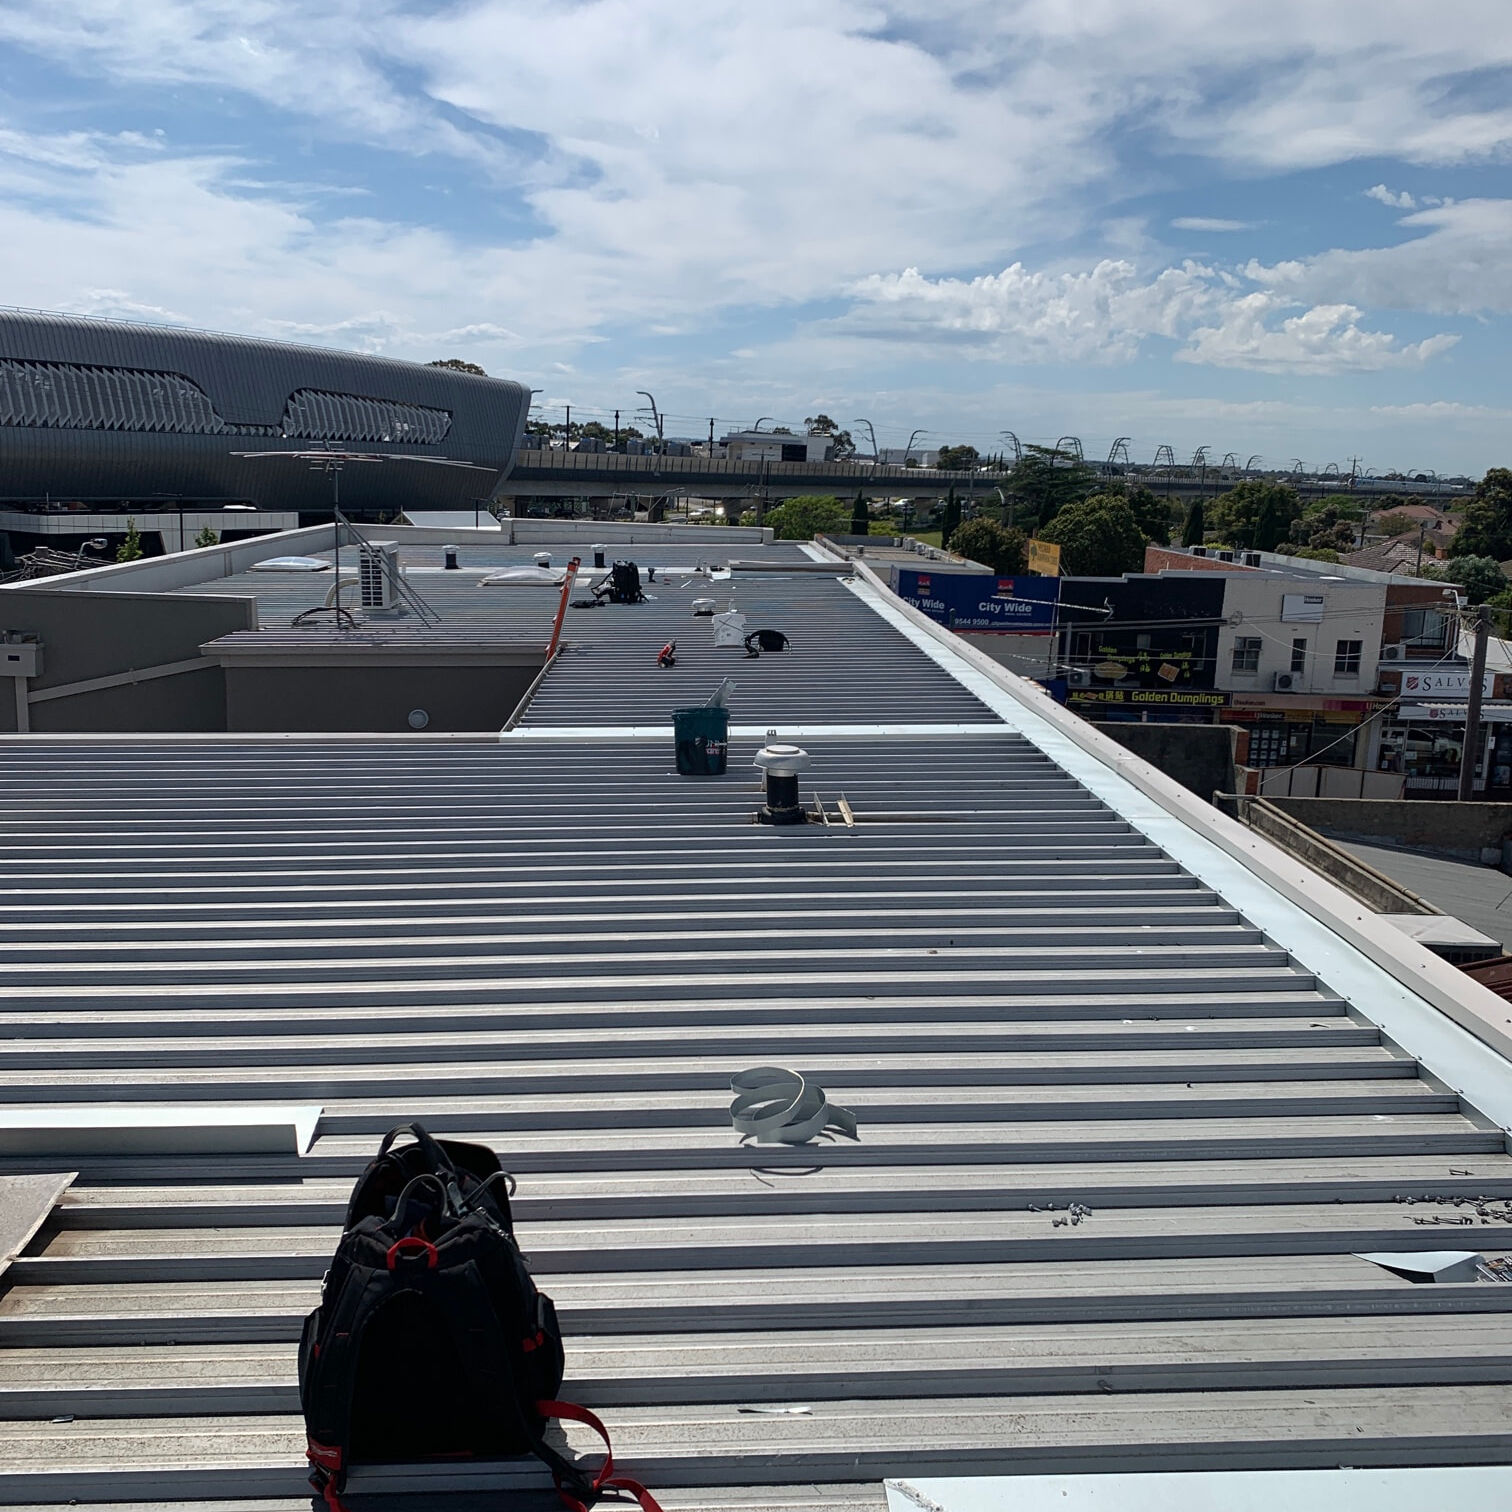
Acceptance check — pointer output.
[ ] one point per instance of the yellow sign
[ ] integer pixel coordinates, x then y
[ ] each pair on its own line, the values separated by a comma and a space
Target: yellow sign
1044, 558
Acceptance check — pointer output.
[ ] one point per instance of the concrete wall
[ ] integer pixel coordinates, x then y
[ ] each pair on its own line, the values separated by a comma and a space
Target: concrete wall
87, 638
1027, 655
375, 699
1460, 830
1199, 757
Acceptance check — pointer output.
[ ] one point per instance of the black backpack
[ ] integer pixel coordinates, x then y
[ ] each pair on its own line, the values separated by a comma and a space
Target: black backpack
431, 1341
623, 585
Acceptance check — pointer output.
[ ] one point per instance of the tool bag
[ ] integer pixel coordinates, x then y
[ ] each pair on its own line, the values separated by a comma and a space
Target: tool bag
765, 640
431, 1341
623, 585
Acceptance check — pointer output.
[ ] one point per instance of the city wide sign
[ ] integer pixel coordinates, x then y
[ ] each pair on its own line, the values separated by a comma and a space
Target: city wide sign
977, 601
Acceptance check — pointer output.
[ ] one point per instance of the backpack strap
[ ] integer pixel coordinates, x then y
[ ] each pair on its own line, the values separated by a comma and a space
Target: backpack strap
605, 1479
433, 1151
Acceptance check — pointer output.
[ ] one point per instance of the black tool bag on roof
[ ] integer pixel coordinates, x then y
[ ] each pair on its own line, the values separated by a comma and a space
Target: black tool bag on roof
431, 1341
623, 584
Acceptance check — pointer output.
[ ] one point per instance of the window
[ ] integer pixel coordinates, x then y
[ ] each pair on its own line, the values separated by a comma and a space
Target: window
1246, 653
1347, 658
75, 397
1424, 627
1299, 655
313, 415
1082, 649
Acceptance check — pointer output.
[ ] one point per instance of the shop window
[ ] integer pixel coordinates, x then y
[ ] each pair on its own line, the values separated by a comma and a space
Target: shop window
1347, 658
1081, 646
1299, 655
1246, 653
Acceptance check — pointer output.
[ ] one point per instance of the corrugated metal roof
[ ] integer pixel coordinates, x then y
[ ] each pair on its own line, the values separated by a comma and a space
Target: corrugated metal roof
557, 946
842, 666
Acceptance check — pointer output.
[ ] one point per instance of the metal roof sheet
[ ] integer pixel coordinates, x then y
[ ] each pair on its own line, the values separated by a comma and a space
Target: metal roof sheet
556, 945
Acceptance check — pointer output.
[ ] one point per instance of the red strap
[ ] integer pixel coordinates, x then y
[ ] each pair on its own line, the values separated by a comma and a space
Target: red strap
332, 1497
606, 1479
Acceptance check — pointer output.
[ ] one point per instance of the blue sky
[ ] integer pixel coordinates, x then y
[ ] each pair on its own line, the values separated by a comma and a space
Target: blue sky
1281, 229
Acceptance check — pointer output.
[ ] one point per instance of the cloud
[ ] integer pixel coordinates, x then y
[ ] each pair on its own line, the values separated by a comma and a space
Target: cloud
1460, 265
1210, 223
1110, 312
1324, 339
1397, 200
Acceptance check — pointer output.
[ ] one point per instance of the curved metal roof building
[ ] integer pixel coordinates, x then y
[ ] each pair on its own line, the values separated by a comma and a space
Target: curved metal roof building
109, 411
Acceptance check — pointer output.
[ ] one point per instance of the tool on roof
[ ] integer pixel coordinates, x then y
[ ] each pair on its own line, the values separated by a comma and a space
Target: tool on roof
667, 656
729, 627
776, 1106
765, 640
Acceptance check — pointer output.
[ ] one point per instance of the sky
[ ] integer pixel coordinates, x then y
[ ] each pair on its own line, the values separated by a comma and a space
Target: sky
1281, 230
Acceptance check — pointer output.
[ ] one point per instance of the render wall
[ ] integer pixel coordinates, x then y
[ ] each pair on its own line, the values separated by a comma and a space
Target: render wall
1200, 757
374, 699
87, 637
1461, 830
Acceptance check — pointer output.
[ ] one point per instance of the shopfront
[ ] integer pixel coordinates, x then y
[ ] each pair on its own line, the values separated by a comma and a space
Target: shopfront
1286, 729
1425, 743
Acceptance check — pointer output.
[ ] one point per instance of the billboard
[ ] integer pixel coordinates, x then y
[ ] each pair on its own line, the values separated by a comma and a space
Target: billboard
977, 601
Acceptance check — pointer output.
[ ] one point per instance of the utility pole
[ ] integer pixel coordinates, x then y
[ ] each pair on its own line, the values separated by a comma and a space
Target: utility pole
1468, 754
567, 431
616, 430
711, 438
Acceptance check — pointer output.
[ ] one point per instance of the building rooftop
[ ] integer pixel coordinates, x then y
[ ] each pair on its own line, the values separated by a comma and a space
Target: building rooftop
1039, 973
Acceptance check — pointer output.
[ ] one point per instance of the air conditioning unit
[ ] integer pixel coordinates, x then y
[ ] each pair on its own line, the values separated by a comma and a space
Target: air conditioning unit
378, 575
1394, 653
1286, 682
1199, 551
1078, 677
1225, 556
1251, 558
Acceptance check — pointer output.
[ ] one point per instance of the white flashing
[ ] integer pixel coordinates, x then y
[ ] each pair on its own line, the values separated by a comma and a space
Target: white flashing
1457, 1029
579, 733
148, 1128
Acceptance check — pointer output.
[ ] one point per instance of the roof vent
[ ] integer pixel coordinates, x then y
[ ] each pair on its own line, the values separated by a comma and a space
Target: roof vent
782, 764
599, 553
543, 559
449, 555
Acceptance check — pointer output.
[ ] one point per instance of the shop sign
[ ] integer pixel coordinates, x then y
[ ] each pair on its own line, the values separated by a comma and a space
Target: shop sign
1043, 557
977, 601
1443, 684
1146, 697
1451, 714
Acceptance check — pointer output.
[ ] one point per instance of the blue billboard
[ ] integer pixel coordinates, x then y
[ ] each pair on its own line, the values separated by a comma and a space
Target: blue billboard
979, 601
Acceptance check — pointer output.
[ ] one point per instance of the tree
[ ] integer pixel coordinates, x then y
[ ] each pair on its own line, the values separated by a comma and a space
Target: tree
1486, 526
457, 365
1098, 537
1046, 480
1151, 512
860, 516
808, 515
1237, 514
130, 550
950, 520
1194, 527
1396, 523
993, 545
822, 425
207, 537
1480, 576
957, 459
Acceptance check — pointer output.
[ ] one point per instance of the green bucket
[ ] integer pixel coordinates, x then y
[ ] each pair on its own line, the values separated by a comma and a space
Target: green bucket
703, 740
